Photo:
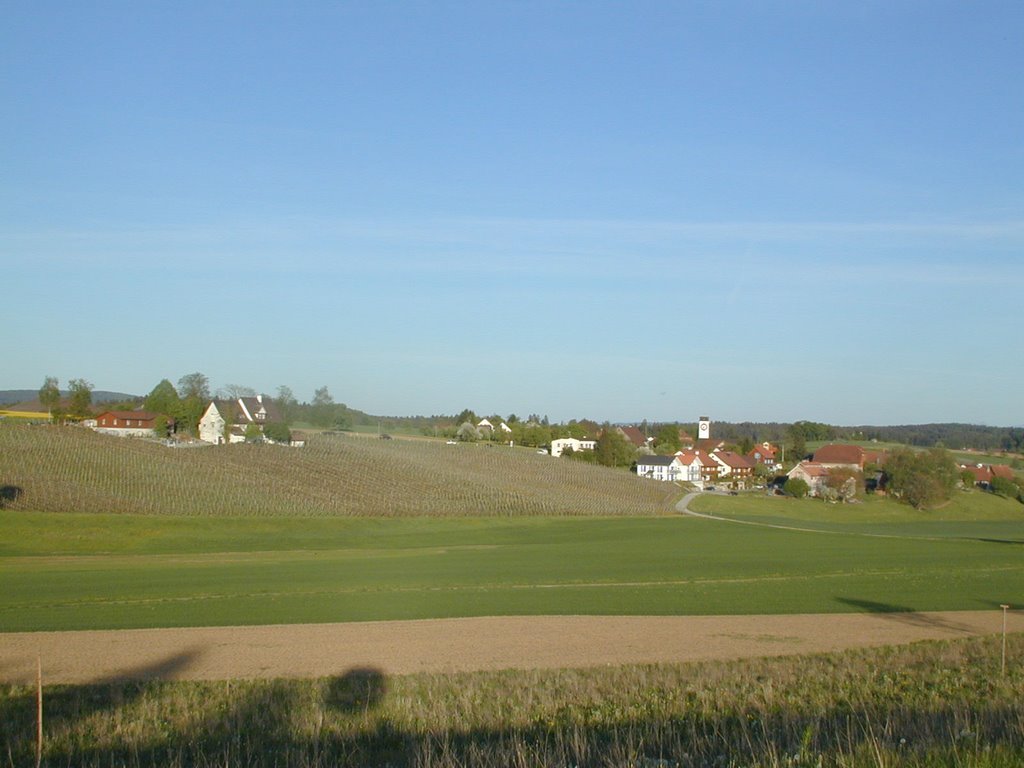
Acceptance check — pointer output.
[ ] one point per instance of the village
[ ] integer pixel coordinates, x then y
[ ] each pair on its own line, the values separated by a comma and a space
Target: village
834, 471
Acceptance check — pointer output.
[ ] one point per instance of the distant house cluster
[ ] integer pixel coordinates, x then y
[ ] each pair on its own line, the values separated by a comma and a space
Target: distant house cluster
227, 421
485, 427
984, 474
699, 467
829, 458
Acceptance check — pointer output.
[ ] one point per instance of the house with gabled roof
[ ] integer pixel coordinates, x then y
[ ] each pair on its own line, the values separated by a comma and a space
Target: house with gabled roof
692, 466
257, 410
739, 469
563, 444
635, 436
1003, 471
767, 454
812, 473
128, 423
664, 468
710, 469
981, 473
225, 421
212, 423
838, 455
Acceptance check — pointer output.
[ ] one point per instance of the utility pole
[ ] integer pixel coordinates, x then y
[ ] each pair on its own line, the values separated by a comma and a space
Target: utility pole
1003, 665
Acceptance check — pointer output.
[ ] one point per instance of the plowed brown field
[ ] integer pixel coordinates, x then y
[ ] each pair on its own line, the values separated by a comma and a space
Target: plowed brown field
458, 645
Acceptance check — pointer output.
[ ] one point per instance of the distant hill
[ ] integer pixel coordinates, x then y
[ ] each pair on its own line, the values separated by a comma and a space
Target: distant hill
11, 396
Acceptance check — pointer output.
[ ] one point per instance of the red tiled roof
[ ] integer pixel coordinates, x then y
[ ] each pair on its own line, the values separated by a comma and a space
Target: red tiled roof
758, 454
812, 468
1001, 470
874, 457
634, 435
840, 454
140, 415
982, 474
734, 460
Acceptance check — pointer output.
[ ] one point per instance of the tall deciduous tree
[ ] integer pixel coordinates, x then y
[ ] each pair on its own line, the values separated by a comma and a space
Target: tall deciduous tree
612, 449
797, 441
194, 385
322, 396
194, 390
667, 438
286, 403
322, 408
81, 397
49, 394
921, 479
163, 399
235, 391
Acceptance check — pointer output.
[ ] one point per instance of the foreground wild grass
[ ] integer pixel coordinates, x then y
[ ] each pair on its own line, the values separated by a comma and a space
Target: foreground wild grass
72, 469
929, 704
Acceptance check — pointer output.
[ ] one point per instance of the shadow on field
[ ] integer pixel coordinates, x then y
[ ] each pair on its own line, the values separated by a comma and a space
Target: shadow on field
265, 724
64, 706
1018, 542
9, 494
165, 669
997, 605
358, 690
903, 614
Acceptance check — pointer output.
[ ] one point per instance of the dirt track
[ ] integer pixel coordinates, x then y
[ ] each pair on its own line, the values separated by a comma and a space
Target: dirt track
449, 645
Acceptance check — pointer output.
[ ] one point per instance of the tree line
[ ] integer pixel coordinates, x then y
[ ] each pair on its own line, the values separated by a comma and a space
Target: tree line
185, 404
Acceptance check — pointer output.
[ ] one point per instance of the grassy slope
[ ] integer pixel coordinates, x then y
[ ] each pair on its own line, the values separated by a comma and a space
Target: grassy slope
969, 515
75, 470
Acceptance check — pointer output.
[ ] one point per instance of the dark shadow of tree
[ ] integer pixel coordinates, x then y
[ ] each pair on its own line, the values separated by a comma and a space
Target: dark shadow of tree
358, 690
903, 614
65, 705
1002, 541
10, 494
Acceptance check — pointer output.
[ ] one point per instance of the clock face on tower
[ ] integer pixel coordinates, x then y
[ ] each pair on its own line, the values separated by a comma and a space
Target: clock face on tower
703, 427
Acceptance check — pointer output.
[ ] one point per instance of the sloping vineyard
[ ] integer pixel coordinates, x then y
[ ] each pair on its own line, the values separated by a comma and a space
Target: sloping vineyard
68, 469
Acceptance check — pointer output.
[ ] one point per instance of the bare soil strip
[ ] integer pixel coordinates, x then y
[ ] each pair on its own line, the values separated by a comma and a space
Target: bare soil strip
461, 645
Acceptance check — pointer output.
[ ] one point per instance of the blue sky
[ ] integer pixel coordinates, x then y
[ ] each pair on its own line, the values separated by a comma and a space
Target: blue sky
751, 210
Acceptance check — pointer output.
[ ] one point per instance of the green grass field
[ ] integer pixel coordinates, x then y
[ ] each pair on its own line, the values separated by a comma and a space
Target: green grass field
972, 514
89, 571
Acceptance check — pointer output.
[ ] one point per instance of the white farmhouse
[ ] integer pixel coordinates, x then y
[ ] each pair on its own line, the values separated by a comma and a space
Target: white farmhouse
559, 446
211, 425
692, 467
664, 468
